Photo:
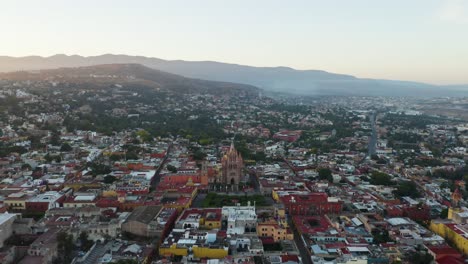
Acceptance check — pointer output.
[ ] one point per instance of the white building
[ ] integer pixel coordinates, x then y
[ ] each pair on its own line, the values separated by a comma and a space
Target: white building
6, 226
239, 218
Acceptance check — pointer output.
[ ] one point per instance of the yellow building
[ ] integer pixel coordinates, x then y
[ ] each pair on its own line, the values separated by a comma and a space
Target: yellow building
200, 245
207, 252
180, 204
80, 184
173, 250
276, 231
16, 201
210, 223
197, 251
109, 193
457, 234
197, 218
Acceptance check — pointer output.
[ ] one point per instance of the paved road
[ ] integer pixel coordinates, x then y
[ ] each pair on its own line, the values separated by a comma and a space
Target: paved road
305, 256
254, 180
198, 202
373, 140
157, 178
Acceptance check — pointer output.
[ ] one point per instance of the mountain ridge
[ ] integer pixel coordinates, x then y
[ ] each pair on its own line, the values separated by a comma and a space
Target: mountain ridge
276, 79
130, 73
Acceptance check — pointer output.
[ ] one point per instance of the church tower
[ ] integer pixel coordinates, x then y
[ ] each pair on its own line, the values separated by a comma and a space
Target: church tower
455, 208
232, 165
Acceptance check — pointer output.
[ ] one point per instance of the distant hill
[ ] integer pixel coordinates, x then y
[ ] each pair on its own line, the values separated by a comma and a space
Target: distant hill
130, 74
278, 79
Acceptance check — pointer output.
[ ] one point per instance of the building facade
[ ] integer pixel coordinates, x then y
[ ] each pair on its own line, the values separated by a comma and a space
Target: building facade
232, 166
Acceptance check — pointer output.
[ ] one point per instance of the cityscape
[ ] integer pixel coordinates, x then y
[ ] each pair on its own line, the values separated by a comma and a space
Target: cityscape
124, 159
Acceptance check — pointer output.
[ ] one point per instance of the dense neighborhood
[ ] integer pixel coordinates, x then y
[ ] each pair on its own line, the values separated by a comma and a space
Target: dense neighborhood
98, 173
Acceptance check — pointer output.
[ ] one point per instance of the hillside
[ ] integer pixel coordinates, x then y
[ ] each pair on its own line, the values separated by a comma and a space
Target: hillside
107, 74
277, 79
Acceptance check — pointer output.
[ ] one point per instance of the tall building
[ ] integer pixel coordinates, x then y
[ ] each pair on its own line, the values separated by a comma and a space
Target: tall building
232, 165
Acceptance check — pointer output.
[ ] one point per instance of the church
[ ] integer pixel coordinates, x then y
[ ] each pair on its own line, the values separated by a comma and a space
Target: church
232, 166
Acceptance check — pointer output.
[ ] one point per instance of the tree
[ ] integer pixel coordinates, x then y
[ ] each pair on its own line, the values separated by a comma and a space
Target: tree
115, 157
205, 141
199, 155
171, 168
325, 174
380, 178
48, 158
131, 155
99, 169
86, 243
407, 188
55, 138
64, 247
109, 179
144, 135
66, 147
381, 236
420, 257
26, 166
444, 213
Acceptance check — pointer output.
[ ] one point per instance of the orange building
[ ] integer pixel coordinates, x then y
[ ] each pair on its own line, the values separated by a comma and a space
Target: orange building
276, 231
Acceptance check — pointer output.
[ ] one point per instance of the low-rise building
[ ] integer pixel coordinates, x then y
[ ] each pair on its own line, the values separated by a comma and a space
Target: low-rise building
150, 221
240, 219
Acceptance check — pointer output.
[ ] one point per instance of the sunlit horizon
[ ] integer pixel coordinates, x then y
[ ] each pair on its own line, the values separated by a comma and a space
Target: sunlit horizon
422, 41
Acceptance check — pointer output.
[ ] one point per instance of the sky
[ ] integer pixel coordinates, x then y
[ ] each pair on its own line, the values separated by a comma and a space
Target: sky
417, 40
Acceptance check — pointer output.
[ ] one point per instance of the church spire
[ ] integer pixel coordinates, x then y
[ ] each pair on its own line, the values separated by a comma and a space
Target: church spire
232, 148
456, 197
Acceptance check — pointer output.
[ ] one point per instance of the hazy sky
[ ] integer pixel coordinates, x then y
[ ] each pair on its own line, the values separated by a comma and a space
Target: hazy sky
420, 40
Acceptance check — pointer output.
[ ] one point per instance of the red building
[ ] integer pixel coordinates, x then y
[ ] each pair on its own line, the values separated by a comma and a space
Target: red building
181, 177
45, 201
415, 213
311, 204
288, 135
444, 254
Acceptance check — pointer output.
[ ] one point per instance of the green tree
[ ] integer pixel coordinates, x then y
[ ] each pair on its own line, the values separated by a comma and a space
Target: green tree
26, 166
171, 168
444, 213
66, 147
109, 179
407, 188
380, 178
199, 155
55, 138
381, 236
86, 243
144, 135
64, 247
48, 158
325, 174
420, 258
115, 157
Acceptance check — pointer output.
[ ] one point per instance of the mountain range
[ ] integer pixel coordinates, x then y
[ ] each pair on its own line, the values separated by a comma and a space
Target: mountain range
136, 75
273, 79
